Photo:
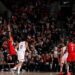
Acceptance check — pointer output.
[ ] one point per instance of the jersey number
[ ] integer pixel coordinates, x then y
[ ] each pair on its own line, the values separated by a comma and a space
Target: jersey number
21, 46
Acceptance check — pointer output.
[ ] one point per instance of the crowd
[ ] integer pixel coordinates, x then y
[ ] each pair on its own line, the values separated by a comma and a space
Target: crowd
45, 34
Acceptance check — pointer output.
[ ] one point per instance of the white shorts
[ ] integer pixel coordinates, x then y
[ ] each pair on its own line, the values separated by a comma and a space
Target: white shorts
64, 58
21, 56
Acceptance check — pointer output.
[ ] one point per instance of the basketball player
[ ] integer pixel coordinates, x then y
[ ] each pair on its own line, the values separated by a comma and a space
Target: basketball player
21, 47
63, 58
71, 52
11, 51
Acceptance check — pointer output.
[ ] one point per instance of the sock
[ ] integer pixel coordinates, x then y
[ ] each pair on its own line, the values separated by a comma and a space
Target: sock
19, 68
67, 67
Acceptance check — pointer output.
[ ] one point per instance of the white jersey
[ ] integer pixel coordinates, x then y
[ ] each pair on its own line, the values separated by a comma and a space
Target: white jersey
21, 51
64, 49
64, 57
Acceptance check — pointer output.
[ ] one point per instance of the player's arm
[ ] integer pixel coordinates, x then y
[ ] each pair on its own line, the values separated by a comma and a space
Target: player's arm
16, 47
27, 46
61, 53
9, 32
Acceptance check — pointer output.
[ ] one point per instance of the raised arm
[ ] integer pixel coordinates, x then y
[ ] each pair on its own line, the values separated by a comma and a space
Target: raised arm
9, 32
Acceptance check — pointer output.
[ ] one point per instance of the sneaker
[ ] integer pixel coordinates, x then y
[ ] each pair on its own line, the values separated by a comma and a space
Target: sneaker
18, 73
12, 71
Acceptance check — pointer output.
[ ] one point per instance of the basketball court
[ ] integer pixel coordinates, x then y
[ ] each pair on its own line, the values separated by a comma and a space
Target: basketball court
30, 73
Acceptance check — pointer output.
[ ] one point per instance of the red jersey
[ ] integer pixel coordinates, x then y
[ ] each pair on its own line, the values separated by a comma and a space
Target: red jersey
11, 48
71, 52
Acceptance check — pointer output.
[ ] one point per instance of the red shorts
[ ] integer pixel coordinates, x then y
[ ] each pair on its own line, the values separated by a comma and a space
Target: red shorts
71, 57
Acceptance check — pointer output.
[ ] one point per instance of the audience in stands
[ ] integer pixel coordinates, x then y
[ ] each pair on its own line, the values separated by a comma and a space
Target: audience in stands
45, 34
